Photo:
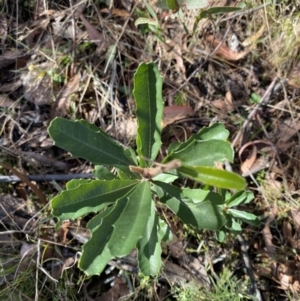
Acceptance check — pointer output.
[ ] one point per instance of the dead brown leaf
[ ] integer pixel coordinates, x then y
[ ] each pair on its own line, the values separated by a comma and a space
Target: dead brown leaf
63, 231
174, 113
10, 57
254, 162
126, 129
253, 38
295, 215
63, 100
57, 270
118, 290
225, 105
38, 84
267, 235
288, 129
6, 102
247, 164
225, 52
117, 12
10, 87
94, 35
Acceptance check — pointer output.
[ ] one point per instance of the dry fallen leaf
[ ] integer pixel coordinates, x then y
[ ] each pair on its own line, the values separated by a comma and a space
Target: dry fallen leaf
38, 84
11, 87
117, 12
94, 35
224, 52
6, 102
247, 164
9, 57
225, 105
63, 100
126, 129
287, 130
255, 163
118, 290
252, 39
267, 235
174, 113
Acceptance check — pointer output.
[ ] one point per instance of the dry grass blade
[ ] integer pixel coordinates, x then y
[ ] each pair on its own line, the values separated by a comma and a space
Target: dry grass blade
34, 188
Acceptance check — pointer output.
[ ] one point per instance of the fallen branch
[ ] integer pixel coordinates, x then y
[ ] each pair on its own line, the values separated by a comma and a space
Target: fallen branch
47, 177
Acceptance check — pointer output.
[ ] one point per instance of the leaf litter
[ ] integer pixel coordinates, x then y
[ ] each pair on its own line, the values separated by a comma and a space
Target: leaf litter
56, 65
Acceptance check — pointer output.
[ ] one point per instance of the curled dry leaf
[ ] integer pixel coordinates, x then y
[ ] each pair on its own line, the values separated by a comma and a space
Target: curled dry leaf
223, 51
225, 105
63, 100
247, 164
267, 235
255, 163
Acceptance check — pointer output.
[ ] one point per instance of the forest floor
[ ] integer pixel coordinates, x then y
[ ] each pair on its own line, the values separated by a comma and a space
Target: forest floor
219, 64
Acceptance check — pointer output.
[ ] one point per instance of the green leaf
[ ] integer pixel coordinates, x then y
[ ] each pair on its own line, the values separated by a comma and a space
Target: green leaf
173, 5
87, 141
195, 4
149, 246
203, 215
221, 235
222, 10
203, 153
77, 182
190, 4
148, 21
213, 176
89, 197
245, 216
119, 231
199, 195
166, 177
96, 221
151, 11
216, 131
102, 173
233, 226
149, 111
240, 197
164, 232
